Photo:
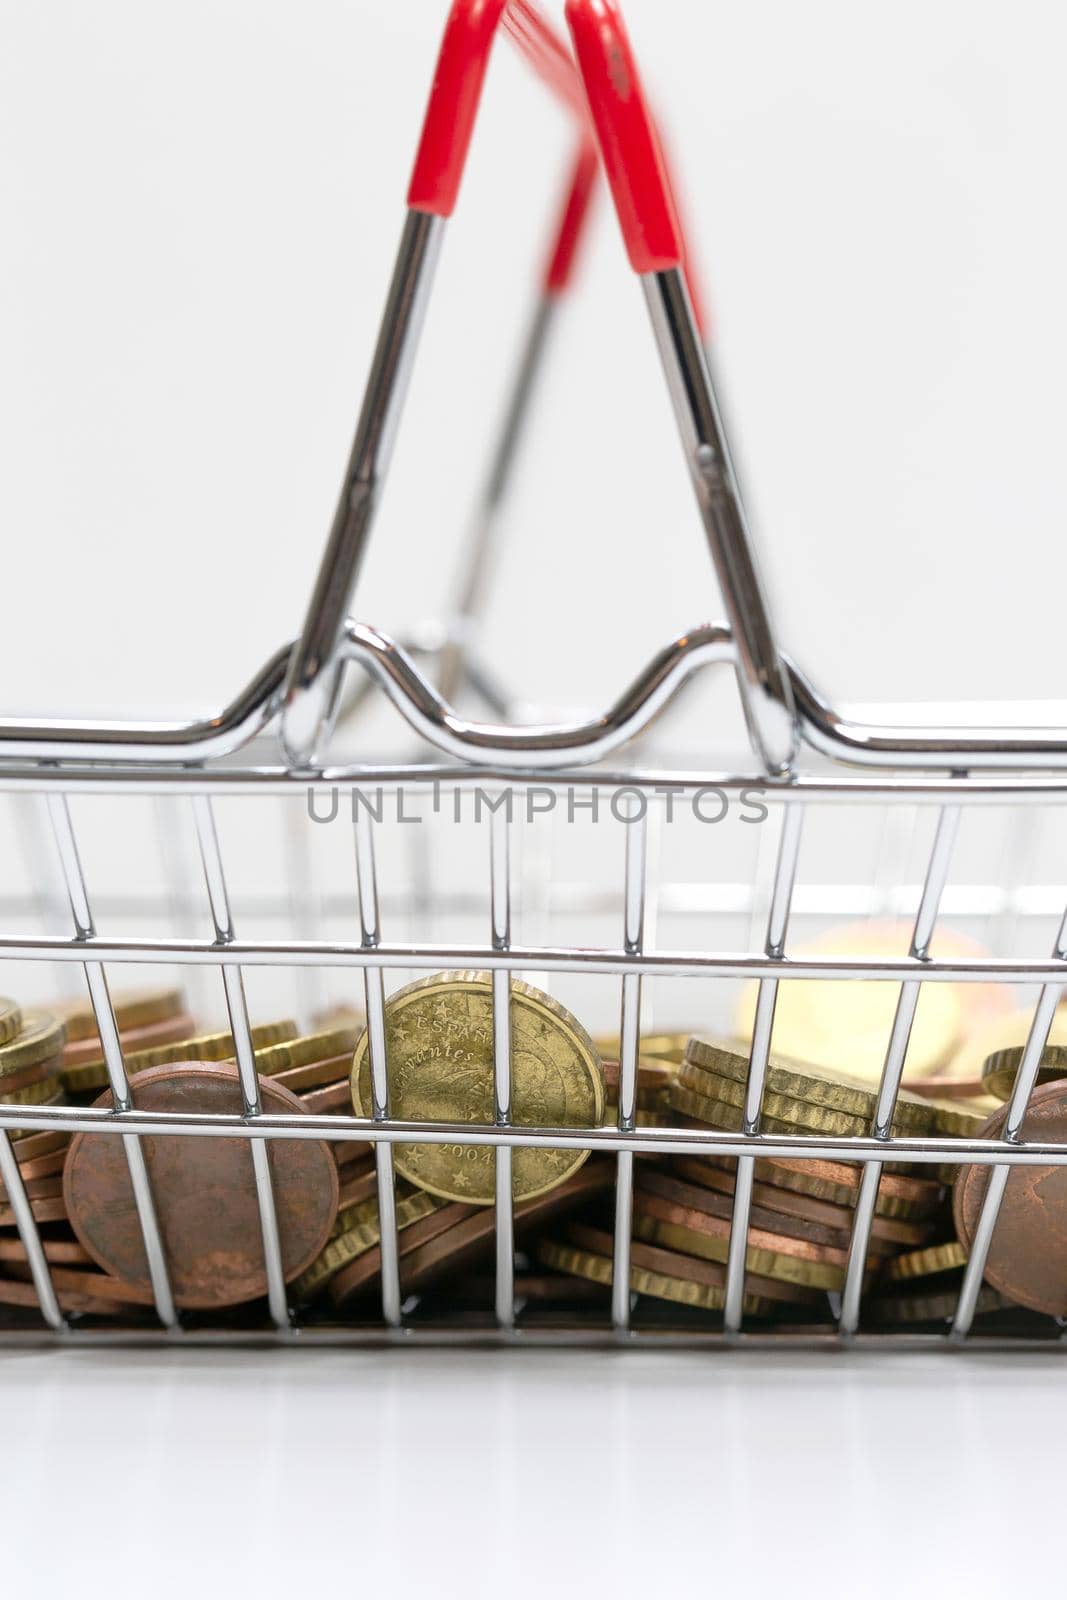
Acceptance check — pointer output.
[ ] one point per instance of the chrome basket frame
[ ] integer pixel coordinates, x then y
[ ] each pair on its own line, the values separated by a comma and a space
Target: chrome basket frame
266, 741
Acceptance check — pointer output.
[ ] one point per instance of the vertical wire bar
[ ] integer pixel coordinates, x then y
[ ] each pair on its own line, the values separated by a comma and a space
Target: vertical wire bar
178, 859
785, 872
31, 1238
35, 847
304, 911
237, 1006
500, 900
629, 1036
1025, 1078
893, 1067
74, 878
374, 992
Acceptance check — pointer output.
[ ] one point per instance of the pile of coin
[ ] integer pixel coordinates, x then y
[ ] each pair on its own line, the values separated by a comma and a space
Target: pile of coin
31, 1046
439, 1067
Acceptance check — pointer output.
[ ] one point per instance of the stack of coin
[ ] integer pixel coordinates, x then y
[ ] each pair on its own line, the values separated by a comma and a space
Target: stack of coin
31, 1044
797, 1098
80, 1286
88, 1077
456, 1236
801, 1215
923, 1286
316, 1067
144, 1018
666, 1274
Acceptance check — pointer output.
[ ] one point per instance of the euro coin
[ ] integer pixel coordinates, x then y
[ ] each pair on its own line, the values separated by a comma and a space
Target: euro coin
439, 1062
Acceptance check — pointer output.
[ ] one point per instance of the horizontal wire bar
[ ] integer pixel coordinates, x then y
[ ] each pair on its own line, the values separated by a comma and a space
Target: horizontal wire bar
664, 1141
844, 788
555, 958
474, 1336
676, 899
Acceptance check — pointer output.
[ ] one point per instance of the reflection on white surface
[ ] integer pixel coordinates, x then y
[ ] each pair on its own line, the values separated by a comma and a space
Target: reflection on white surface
530, 1473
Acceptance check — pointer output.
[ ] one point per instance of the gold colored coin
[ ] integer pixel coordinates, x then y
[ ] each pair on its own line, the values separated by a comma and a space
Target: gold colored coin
137, 1009
361, 1233
10, 1020
202, 1047
836, 1182
998, 1072
716, 1114
439, 1054
910, 1117
41, 1037
776, 1264
597, 1268
844, 1024
815, 1086
305, 1049
669, 1047
45, 1093
924, 1263
963, 1119
1000, 1033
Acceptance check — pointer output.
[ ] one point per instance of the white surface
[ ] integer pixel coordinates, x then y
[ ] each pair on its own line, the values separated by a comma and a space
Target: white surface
531, 1475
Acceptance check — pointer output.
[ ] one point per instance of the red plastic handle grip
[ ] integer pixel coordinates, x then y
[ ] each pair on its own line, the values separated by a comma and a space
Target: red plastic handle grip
627, 136
457, 90
573, 214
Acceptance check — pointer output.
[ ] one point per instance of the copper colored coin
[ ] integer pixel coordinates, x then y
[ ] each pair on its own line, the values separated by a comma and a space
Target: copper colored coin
650, 1075
324, 1102
922, 1194
41, 1167
350, 1152
358, 1186
662, 1197
79, 1052
135, 1009
1027, 1259
473, 1237
315, 1073
467, 1232
49, 1187
32, 1145
24, 1076
695, 1221
43, 1211
770, 1197
13, 1293
65, 1252
363, 1272
946, 1088
692, 1269
204, 1190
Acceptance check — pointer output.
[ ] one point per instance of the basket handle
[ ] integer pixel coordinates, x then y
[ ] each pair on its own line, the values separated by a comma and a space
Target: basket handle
311, 694
640, 185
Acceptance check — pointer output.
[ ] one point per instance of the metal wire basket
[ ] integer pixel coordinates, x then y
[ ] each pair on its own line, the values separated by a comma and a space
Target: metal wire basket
802, 751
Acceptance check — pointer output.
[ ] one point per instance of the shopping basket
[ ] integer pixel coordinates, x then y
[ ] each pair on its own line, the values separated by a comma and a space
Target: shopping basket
274, 740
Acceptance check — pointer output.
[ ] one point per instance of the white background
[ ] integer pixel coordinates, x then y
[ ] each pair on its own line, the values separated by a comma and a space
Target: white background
200, 206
